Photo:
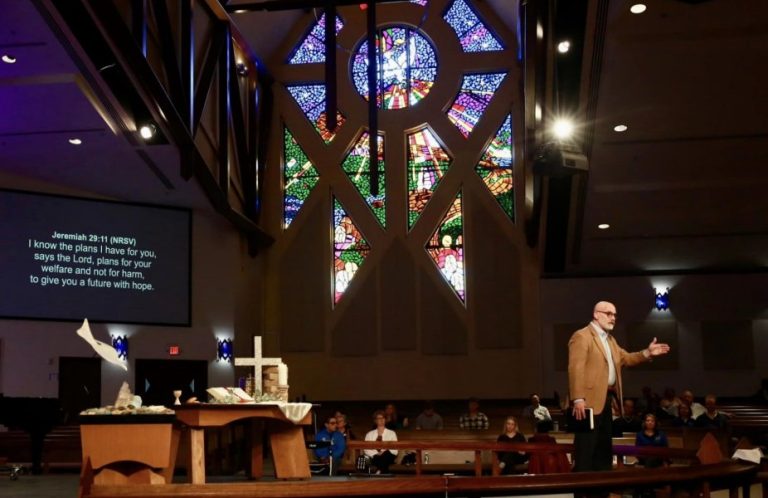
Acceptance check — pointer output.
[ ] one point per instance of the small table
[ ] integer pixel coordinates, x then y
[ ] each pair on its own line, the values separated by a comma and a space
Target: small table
286, 438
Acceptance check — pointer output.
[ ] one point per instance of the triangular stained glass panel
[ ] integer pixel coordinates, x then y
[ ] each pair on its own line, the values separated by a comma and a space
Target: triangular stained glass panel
312, 48
311, 100
349, 250
357, 166
427, 164
496, 168
473, 34
299, 177
446, 248
476, 92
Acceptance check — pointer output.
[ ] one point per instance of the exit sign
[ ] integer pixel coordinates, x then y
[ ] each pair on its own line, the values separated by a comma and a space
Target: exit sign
174, 350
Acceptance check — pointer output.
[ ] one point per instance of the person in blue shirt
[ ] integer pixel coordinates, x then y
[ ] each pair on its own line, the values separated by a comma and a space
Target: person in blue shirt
335, 451
651, 436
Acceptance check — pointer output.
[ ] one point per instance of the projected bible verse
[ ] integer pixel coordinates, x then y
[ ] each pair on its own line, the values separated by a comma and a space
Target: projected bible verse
89, 260
66, 258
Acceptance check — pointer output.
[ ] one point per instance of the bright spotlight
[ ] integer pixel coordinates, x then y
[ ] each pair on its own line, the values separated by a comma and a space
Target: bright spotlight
75, 141
638, 8
147, 131
563, 129
564, 46
9, 59
620, 128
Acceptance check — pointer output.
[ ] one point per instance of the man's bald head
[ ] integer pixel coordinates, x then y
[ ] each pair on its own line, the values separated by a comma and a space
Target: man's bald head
604, 313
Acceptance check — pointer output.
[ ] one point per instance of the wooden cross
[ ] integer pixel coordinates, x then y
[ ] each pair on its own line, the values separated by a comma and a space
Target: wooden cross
258, 362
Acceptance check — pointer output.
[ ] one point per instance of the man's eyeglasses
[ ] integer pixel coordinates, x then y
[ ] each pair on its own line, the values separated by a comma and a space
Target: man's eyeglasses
608, 313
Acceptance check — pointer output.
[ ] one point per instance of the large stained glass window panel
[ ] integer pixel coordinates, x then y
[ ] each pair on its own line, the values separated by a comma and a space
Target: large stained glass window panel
476, 92
473, 35
311, 100
299, 177
495, 168
312, 48
427, 164
349, 250
406, 67
446, 248
357, 166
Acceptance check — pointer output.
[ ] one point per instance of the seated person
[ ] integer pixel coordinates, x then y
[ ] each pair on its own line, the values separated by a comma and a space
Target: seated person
651, 436
684, 418
696, 408
711, 418
628, 421
338, 444
670, 402
538, 413
509, 459
394, 421
380, 459
428, 419
343, 427
474, 419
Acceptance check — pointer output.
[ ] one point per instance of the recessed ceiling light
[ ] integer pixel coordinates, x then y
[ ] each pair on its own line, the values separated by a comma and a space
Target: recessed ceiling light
75, 141
620, 128
603, 226
638, 8
8, 59
564, 46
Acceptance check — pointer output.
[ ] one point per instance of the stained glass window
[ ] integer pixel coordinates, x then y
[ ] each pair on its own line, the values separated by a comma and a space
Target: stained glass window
495, 168
423, 3
357, 166
473, 35
476, 92
299, 177
312, 49
349, 250
311, 99
427, 164
406, 65
446, 248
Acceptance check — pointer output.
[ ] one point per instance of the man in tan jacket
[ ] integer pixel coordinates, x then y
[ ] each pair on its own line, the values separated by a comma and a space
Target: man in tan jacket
594, 374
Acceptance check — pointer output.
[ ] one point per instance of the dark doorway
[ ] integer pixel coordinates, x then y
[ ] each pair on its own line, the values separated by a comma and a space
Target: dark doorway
79, 385
157, 379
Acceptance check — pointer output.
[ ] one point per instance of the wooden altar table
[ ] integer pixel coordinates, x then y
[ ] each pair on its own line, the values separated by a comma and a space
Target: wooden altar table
286, 438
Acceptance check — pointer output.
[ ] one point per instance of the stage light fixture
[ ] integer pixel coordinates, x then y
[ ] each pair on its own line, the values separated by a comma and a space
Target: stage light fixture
147, 131
638, 8
562, 129
224, 350
662, 300
564, 46
120, 343
9, 59
75, 141
603, 226
620, 128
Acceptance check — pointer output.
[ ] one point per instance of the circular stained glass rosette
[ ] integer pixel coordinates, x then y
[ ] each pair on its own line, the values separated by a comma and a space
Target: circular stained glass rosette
406, 67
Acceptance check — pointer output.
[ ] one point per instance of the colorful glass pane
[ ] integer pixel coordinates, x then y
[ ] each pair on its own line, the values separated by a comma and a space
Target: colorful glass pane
349, 250
357, 166
423, 3
495, 168
312, 48
427, 164
299, 177
311, 100
476, 92
406, 68
446, 248
473, 35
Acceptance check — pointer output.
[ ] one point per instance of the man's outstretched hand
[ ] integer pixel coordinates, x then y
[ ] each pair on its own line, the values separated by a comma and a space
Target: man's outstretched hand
657, 348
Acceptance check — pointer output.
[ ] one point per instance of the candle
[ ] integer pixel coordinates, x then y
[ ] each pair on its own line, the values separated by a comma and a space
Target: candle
282, 374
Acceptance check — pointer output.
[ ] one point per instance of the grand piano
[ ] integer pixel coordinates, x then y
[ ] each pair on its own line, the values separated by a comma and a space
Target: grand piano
35, 416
